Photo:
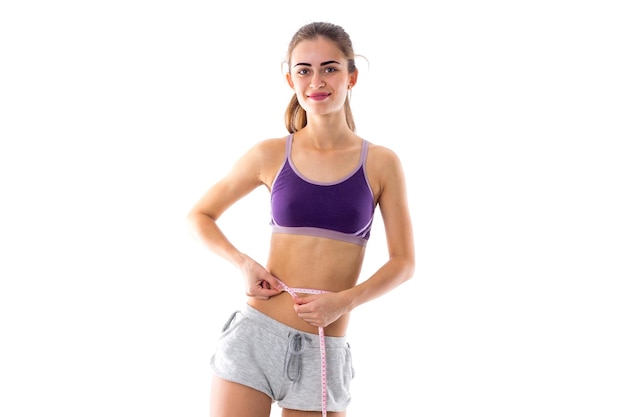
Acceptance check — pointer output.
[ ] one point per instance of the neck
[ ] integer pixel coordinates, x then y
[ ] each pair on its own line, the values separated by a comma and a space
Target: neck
327, 131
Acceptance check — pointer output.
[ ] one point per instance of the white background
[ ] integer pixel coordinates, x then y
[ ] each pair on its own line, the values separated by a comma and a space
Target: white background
509, 118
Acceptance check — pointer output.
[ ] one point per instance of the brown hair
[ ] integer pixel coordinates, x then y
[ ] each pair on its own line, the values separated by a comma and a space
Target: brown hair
295, 115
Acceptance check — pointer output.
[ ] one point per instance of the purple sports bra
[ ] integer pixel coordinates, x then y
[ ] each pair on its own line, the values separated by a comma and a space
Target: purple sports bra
341, 210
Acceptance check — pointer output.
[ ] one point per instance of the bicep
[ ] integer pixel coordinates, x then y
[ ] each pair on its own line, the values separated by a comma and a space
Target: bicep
394, 209
242, 178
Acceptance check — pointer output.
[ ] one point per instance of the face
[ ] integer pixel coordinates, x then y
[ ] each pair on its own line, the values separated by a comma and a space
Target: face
319, 76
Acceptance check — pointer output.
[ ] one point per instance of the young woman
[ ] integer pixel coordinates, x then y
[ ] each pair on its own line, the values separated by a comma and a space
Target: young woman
288, 343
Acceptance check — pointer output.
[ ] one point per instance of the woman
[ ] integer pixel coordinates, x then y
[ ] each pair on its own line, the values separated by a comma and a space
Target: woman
288, 344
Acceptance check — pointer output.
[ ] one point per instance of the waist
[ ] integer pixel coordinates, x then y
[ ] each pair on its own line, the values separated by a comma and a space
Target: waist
280, 309
278, 328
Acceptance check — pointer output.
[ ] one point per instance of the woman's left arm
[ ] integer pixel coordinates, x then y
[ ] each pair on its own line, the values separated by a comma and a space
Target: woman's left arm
389, 177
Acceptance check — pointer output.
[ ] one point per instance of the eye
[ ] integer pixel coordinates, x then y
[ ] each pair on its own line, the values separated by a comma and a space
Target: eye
330, 69
303, 71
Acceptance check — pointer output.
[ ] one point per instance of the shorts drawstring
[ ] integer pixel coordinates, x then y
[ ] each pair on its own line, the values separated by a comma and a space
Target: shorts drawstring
293, 357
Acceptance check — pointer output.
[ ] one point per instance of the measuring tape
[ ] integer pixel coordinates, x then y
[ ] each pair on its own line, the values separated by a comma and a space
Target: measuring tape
294, 293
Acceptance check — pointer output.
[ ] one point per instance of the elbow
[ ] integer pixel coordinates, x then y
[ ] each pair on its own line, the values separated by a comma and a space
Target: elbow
408, 270
404, 267
194, 220
199, 223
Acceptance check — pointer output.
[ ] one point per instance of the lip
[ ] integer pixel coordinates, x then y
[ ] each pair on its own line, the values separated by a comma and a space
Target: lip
318, 96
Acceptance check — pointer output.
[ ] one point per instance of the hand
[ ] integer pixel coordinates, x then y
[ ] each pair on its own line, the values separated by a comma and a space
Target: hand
320, 310
259, 283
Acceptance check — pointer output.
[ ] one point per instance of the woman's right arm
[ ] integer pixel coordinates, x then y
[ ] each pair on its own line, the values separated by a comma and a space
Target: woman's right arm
246, 174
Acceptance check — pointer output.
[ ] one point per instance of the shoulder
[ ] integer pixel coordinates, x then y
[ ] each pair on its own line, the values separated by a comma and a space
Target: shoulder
265, 150
265, 157
270, 146
381, 156
384, 169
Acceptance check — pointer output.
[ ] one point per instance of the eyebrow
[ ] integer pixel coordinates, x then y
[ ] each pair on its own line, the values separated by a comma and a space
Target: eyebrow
322, 64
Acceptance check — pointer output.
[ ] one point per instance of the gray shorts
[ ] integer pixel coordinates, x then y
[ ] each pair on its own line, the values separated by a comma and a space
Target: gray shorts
284, 363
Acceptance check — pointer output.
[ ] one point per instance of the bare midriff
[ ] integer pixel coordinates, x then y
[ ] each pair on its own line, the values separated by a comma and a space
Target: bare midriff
313, 263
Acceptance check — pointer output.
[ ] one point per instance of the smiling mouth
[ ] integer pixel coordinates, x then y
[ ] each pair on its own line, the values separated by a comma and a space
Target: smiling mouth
318, 96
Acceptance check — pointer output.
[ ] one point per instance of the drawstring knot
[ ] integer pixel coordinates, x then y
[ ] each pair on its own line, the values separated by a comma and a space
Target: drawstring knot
293, 358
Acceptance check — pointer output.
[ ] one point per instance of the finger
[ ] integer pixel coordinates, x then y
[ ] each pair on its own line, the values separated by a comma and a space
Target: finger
274, 283
269, 292
302, 300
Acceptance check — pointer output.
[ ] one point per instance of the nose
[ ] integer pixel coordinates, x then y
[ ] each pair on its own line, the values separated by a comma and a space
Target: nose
317, 82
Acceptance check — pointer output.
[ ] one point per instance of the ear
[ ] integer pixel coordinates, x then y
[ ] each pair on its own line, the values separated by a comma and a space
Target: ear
289, 80
353, 77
